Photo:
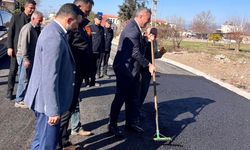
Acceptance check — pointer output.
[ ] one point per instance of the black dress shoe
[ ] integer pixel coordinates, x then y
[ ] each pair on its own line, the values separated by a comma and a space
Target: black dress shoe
114, 130
134, 128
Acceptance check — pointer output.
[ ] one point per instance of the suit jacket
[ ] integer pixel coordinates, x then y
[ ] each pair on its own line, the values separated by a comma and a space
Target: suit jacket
16, 24
98, 41
50, 90
108, 35
130, 54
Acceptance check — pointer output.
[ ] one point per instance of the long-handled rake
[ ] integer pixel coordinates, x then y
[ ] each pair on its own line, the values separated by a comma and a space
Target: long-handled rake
158, 136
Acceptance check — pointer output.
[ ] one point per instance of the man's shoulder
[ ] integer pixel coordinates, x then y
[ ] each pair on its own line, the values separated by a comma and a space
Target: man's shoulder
131, 24
52, 27
131, 28
27, 26
18, 16
51, 32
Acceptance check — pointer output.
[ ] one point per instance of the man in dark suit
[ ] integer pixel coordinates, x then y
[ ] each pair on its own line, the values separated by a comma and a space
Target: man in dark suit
16, 23
127, 63
51, 86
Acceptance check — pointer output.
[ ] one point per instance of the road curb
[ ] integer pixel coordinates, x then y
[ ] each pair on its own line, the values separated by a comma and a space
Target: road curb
208, 77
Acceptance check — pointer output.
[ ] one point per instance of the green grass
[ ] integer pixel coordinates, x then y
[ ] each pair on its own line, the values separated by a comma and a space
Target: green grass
245, 47
206, 47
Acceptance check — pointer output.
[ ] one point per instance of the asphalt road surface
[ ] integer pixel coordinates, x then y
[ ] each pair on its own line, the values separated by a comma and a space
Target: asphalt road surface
196, 113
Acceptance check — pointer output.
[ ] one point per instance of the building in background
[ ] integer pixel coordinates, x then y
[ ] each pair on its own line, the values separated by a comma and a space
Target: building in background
114, 19
9, 5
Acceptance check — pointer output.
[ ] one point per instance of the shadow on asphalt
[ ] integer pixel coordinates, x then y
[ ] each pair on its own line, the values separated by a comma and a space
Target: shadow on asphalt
95, 92
3, 83
174, 116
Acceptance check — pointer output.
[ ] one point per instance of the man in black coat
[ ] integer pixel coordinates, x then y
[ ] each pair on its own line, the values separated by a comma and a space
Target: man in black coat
80, 44
16, 23
108, 35
98, 44
127, 64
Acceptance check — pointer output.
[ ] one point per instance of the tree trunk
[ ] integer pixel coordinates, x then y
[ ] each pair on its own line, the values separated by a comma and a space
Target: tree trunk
174, 45
237, 48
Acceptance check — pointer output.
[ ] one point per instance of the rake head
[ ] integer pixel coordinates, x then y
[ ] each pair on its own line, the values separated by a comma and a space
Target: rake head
160, 137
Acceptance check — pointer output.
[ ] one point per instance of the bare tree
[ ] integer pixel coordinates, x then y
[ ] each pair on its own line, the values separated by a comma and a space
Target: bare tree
176, 30
203, 24
248, 28
238, 28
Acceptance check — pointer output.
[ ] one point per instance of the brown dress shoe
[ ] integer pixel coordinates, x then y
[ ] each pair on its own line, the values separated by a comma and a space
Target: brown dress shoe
82, 132
70, 148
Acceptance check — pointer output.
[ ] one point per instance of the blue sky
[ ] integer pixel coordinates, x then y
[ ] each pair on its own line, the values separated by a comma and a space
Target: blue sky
222, 10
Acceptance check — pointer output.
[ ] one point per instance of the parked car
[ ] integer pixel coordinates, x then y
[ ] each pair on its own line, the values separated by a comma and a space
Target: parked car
4, 26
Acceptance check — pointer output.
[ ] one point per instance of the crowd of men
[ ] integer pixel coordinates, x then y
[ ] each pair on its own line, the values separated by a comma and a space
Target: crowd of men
52, 64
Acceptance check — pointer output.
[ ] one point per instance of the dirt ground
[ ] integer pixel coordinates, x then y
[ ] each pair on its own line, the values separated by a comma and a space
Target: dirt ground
224, 66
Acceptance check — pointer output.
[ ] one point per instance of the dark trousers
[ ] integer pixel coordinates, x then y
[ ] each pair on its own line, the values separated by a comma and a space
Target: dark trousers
65, 118
99, 64
46, 136
127, 90
145, 78
93, 69
105, 62
63, 130
12, 74
79, 76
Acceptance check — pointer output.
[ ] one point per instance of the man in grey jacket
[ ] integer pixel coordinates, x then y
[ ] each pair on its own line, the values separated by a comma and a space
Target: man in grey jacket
25, 54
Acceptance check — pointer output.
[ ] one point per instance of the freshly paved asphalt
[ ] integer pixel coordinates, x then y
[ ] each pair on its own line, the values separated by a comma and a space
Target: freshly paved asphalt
196, 113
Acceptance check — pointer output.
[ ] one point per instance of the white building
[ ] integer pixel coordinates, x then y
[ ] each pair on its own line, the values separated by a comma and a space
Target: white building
229, 28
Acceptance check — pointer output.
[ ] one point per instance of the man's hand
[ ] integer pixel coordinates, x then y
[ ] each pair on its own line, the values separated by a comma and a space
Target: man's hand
10, 52
151, 37
151, 34
54, 120
26, 64
151, 69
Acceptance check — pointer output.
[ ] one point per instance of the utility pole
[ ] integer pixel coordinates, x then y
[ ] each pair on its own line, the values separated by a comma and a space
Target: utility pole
154, 13
141, 1
136, 1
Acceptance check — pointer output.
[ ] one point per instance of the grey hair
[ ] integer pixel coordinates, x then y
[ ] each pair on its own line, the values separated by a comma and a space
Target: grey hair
36, 14
141, 11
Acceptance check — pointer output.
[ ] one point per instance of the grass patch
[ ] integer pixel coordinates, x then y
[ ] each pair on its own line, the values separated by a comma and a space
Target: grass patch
207, 47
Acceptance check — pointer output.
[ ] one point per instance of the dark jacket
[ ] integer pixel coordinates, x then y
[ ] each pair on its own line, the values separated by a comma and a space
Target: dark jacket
108, 35
98, 42
130, 53
147, 46
16, 24
80, 44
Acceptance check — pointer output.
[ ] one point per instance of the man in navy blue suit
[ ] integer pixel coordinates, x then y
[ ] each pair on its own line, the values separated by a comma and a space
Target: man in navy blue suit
50, 90
127, 64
